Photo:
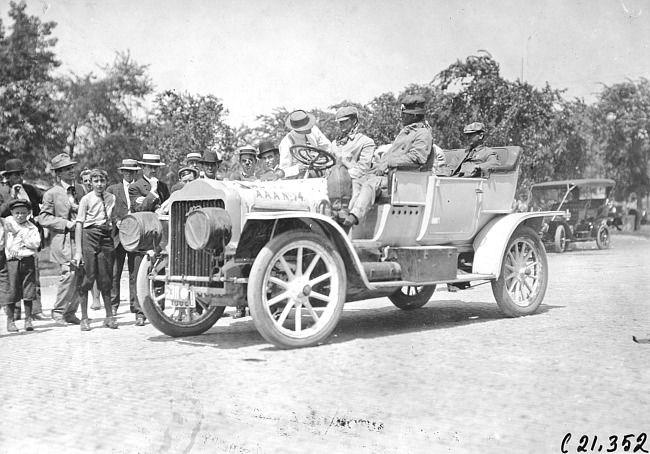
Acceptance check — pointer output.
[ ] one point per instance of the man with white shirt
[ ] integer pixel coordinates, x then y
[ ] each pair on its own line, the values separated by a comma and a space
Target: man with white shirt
129, 171
58, 213
303, 132
146, 194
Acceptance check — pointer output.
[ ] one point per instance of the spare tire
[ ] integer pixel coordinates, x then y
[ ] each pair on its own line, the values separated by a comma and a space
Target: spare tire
141, 231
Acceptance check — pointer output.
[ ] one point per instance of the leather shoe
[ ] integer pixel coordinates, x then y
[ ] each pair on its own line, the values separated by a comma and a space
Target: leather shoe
139, 320
60, 321
109, 322
28, 324
72, 319
11, 326
41, 317
85, 325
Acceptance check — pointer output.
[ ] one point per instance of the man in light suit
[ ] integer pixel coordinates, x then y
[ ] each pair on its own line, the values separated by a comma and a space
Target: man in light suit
58, 213
129, 170
146, 194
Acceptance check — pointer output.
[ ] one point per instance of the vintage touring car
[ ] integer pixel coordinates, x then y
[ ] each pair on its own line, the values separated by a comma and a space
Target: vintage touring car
585, 205
275, 247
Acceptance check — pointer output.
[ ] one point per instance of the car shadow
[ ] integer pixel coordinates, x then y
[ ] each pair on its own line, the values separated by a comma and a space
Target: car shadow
359, 323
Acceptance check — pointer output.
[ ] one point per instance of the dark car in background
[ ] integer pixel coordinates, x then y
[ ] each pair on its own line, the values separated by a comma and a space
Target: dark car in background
585, 203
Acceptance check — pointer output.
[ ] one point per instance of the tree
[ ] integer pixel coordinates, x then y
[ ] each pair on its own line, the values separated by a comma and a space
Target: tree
102, 116
185, 123
621, 120
28, 115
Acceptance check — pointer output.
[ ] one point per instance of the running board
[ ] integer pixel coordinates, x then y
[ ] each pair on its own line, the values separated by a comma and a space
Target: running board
460, 278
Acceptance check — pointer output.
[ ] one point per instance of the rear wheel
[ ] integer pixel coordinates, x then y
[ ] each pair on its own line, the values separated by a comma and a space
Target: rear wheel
560, 239
296, 289
602, 238
409, 298
175, 322
521, 285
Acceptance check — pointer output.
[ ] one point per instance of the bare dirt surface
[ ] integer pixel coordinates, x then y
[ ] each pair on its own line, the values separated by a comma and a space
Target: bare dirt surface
454, 376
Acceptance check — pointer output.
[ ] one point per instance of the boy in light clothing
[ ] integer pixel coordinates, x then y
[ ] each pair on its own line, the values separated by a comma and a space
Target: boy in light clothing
22, 243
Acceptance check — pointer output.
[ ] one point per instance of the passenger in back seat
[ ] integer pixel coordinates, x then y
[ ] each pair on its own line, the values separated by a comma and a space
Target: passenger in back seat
478, 157
411, 148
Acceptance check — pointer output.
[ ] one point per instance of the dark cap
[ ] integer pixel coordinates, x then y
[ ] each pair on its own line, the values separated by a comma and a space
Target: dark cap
266, 147
413, 104
474, 127
20, 203
14, 165
346, 112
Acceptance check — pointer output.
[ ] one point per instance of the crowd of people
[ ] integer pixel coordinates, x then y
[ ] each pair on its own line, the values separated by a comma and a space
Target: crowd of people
83, 220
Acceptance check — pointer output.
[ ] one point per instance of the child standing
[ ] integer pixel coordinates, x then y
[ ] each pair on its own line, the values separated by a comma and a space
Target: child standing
22, 242
95, 245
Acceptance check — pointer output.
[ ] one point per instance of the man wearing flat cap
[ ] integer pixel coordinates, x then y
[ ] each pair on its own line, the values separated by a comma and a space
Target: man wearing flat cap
247, 158
352, 148
59, 212
129, 170
303, 131
17, 189
478, 158
410, 149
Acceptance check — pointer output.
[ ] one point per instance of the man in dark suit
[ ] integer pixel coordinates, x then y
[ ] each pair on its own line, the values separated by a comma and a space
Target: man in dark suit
58, 213
478, 158
17, 189
146, 194
129, 170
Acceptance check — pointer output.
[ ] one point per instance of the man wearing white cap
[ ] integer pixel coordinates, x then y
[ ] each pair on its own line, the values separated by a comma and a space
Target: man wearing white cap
303, 132
129, 170
148, 193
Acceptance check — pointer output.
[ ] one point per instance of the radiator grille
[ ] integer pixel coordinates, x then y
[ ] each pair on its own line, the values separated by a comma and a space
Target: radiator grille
183, 259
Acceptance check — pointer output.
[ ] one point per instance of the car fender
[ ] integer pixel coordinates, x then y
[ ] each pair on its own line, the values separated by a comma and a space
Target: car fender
317, 221
491, 242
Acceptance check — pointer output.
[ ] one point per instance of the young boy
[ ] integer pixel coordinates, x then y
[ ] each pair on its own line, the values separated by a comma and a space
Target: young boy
95, 245
22, 242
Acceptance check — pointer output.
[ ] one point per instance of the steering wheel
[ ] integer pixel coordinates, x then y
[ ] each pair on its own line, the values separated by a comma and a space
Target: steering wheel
314, 158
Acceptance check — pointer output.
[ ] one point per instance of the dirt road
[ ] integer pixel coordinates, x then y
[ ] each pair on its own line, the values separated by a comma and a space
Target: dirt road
454, 376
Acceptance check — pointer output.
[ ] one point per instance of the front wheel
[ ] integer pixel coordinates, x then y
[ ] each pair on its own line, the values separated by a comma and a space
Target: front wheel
175, 322
602, 238
296, 289
521, 285
409, 298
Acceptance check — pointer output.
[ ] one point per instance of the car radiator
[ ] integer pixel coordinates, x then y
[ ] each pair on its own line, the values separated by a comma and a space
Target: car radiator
183, 260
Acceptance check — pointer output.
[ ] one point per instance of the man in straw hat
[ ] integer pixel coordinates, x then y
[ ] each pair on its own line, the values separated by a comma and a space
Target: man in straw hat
16, 188
148, 193
59, 211
128, 170
303, 131
247, 158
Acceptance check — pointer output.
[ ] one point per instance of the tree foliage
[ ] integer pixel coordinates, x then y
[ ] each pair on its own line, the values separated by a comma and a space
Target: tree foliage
183, 123
28, 114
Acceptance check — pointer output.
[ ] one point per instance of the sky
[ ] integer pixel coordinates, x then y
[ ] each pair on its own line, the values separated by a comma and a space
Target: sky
257, 55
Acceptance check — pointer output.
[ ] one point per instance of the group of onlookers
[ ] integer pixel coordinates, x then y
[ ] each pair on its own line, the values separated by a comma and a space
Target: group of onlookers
83, 220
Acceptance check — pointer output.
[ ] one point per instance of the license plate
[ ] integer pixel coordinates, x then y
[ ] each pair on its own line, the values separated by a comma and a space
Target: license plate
179, 295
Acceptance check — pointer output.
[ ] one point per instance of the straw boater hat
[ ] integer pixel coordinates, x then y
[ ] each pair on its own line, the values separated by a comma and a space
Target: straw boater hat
300, 121
61, 160
151, 160
246, 150
193, 157
129, 164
